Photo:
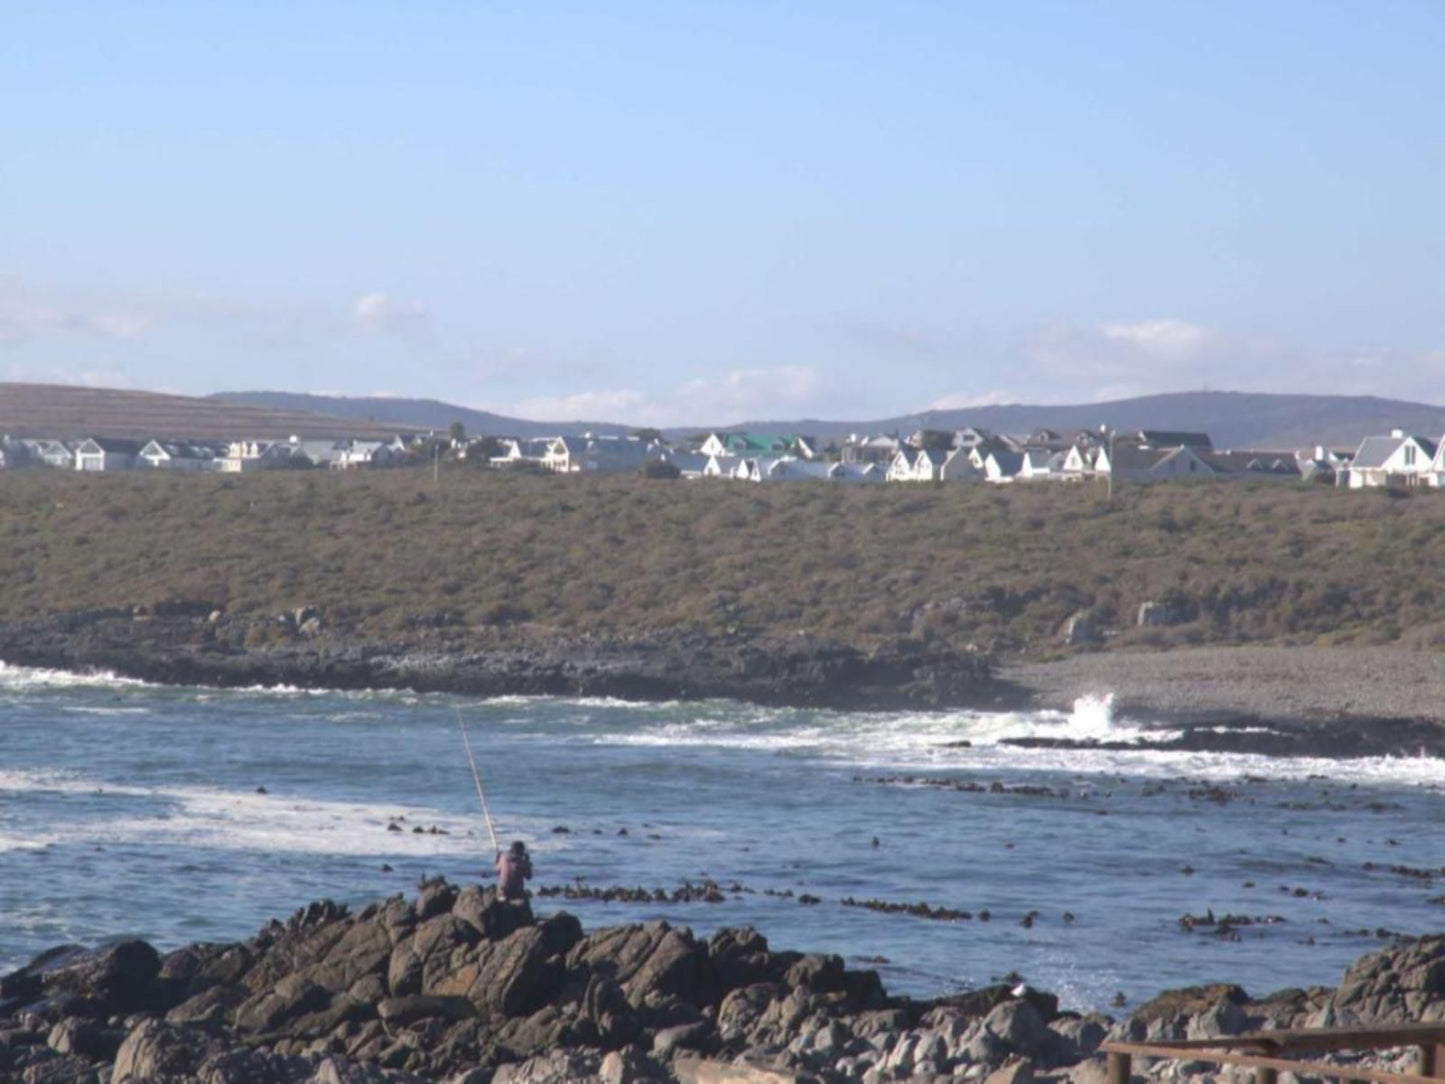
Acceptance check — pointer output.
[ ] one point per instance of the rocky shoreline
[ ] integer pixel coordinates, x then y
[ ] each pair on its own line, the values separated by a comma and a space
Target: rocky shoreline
191, 645
1271, 701
456, 985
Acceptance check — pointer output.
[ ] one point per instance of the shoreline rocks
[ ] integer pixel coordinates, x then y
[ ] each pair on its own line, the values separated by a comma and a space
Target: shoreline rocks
797, 671
457, 985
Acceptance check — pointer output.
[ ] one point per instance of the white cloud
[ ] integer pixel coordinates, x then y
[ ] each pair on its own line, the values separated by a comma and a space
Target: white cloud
28, 312
727, 399
379, 314
967, 400
1159, 338
594, 406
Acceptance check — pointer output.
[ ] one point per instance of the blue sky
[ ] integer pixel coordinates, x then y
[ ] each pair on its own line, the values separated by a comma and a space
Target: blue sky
694, 212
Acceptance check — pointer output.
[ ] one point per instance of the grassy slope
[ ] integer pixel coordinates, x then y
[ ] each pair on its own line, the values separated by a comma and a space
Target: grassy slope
998, 567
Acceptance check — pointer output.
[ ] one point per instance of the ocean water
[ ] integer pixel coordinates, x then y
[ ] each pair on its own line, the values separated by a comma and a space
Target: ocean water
183, 814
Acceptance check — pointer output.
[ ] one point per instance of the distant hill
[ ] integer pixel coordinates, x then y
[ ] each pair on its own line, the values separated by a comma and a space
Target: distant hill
51, 410
413, 413
1232, 419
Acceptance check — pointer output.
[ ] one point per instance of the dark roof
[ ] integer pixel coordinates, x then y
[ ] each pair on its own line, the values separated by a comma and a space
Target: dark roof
1130, 457
116, 446
1169, 438
1275, 463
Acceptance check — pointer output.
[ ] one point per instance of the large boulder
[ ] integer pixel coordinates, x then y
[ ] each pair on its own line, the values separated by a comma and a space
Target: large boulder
118, 978
363, 950
1185, 1013
512, 977
438, 948
282, 1005
491, 915
1395, 985
653, 963
190, 970
157, 1051
740, 957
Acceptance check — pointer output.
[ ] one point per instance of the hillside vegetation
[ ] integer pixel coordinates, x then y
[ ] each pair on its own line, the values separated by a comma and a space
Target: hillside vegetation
502, 556
50, 410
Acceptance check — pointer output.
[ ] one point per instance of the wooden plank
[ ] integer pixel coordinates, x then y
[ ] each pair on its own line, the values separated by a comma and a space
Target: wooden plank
1119, 1068
1171, 1052
1324, 1038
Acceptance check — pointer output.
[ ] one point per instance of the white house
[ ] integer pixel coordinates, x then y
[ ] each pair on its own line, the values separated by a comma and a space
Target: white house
689, 464
514, 452
928, 465
1399, 459
244, 456
1040, 464
900, 467
365, 453
52, 453
106, 453
960, 467
177, 455
1437, 465
597, 455
1002, 466
1129, 463
1079, 462
1245, 465
721, 466
857, 472
879, 449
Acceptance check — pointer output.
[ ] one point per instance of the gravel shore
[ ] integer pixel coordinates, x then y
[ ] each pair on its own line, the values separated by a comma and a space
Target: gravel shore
1278, 683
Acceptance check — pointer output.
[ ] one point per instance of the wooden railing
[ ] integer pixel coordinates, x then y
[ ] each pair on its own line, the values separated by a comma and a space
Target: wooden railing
1266, 1053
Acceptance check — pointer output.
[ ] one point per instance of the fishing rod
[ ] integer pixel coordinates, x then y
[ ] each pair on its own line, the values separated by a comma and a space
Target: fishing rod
477, 778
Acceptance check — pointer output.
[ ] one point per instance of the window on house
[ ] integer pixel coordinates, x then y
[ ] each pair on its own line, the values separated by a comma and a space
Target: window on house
1409, 455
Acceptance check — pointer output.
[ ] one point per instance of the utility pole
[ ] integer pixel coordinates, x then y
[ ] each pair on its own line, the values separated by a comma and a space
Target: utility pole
1109, 497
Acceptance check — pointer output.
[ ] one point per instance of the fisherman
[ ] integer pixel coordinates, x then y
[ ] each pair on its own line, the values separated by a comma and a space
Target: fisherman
513, 868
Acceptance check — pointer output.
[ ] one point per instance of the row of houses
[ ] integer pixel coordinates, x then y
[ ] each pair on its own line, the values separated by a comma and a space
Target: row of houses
965, 455
239, 456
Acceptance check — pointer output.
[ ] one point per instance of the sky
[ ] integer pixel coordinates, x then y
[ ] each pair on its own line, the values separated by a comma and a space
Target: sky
687, 211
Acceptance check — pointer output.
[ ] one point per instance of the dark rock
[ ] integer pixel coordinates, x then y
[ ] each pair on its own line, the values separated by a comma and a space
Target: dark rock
438, 948
512, 977
290, 998
154, 1050
435, 898
605, 1006
117, 977
651, 960
1401, 983
491, 915
84, 1038
740, 957
403, 1011
211, 1006
818, 973
60, 1069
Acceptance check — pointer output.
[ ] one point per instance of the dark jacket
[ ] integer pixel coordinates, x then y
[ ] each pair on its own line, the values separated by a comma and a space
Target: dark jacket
512, 871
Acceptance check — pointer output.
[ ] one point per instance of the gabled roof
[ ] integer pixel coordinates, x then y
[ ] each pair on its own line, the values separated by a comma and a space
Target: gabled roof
1243, 462
1130, 457
1171, 438
1373, 452
114, 445
1006, 462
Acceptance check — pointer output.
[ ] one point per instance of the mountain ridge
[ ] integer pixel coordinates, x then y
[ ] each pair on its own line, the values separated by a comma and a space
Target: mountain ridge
1232, 419
1258, 420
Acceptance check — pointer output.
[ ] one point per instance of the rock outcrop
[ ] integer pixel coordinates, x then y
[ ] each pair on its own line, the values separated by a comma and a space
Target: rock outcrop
457, 985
